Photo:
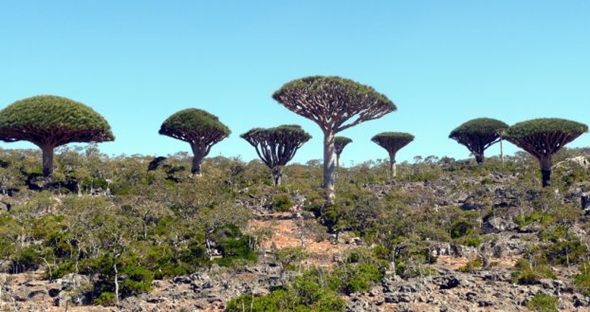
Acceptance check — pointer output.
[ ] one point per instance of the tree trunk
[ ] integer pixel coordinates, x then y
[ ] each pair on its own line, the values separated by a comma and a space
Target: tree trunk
329, 165
501, 152
198, 156
196, 168
392, 166
116, 281
277, 174
47, 160
479, 159
545, 163
337, 160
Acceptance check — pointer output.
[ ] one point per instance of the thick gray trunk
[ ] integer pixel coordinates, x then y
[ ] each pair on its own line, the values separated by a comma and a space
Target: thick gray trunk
392, 166
502, 152
277, 175
479, 159
196, 169
545, 163
198, 155
329, 165
47, 160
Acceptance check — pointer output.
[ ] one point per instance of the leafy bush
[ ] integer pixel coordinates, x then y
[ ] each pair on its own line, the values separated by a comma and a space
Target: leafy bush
282, 202
307, 293
543, 303
106, 298
357, 277
471, 265
543, 218
526, 274
582, 280
26, 259
136, 280
233, 245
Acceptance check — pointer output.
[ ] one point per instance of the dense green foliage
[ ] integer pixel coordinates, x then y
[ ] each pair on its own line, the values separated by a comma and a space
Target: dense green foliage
46, 113
324, 88
392, 142
181, 124
483, 126
540, 126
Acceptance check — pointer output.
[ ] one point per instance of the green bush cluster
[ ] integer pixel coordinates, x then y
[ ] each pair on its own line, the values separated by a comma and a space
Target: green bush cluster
525, 273
309, 292
543, 303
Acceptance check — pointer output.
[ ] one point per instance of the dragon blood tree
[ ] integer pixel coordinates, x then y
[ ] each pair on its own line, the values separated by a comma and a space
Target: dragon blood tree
197, 127
392, 142
335, 104
543, 138
479, 134
340, 143
49, 121
276, 146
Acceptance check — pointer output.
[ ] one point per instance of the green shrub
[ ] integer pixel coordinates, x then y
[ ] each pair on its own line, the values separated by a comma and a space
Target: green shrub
282, 202
461, 228
26, 259
236, 248
469, 240
471, 265
543, 303
106, 298
136, 280
565, 252
307, 293
526, 274
582, 280
543, 218
357, 277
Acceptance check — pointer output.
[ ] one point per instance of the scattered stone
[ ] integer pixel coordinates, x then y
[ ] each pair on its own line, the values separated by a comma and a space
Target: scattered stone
497, 225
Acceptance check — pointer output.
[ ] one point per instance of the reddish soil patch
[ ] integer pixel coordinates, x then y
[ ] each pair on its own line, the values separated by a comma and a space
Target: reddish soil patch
286, 233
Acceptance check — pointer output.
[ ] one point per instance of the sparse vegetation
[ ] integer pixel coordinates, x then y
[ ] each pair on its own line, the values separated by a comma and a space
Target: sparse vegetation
147, 225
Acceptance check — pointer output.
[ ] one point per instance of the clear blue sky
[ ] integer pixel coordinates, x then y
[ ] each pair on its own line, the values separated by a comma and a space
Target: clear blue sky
441, 62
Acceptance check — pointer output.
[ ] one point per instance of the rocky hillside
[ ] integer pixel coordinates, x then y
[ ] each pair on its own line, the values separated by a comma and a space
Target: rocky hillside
443, 236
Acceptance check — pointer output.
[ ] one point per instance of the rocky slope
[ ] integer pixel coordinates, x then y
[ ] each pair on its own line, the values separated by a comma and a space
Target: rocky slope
444, 286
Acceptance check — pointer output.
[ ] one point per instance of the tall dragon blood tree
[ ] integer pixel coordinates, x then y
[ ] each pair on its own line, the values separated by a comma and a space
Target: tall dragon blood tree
392, 142
335, 104
340, 143
543, 138
479, 134
276, 146
49, 121
198, 128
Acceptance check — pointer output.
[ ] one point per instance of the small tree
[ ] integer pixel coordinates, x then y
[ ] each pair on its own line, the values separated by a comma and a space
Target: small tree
276, 146
330, 102
197, 127
543, 138
50, 121
392, 142
479, 134
340, 143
